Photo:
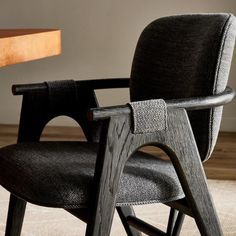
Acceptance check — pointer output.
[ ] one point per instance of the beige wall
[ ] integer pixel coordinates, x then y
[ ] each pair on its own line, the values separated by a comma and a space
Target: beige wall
99, 37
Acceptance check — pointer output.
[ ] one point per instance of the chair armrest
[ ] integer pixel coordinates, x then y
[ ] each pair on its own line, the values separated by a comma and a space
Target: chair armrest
41, 104
20, 89
194, 103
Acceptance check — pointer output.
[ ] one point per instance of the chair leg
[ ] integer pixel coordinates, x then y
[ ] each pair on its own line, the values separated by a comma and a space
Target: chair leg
199, 197
124, 212
189, 168
178, 224
175, 222
16, 212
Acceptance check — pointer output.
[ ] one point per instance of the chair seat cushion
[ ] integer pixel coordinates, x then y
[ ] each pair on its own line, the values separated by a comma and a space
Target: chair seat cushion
59, 174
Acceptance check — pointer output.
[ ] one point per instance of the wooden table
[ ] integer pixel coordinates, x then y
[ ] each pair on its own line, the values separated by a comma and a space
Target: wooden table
21, 45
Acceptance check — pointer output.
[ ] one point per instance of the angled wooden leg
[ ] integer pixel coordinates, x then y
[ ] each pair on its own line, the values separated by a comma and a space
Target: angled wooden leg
178, 224
178, 142
16, 212
188, 166
109, 166
171, 222
175, 222
124, 212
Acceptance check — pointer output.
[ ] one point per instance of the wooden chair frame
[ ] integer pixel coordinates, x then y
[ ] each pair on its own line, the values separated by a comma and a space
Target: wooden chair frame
114, 125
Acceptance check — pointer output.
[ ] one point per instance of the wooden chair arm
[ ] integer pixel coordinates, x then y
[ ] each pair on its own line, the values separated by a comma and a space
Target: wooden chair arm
37, 110
194, 103
21, 89
39, 106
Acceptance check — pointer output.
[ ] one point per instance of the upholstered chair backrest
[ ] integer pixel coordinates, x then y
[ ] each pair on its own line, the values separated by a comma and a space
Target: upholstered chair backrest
186, 56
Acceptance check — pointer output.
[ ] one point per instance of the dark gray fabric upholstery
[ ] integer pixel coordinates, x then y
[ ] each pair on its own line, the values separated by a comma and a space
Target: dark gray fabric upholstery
62, 93
59, 174
149, 116
186, 56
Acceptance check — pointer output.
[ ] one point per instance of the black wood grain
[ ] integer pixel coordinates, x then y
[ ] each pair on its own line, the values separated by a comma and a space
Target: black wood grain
194, 103
175, 222
86, 84
118, 143
145, 227
125, 212
183, 152
16, 212
109, 166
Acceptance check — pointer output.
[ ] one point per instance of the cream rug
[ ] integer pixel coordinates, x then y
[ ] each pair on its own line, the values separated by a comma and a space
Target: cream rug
40, 221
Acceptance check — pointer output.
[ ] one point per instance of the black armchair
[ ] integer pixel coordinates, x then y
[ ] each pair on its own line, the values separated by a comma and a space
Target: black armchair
184, 60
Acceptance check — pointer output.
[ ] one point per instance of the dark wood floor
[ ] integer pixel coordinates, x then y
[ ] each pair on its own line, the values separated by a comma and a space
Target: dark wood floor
222, 164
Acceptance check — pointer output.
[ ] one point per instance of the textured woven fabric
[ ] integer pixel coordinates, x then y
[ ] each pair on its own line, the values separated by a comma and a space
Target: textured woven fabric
186, 56
149, 116
62, 93
59, 174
